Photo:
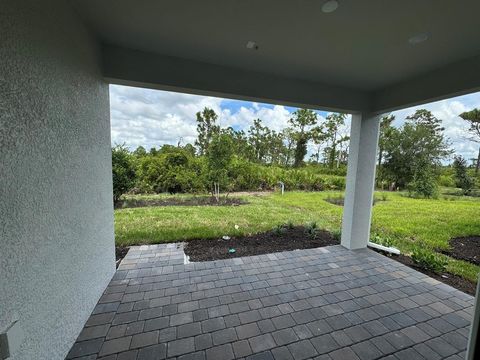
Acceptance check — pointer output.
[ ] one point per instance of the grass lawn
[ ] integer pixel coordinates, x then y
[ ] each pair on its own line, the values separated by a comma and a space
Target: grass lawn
406, 221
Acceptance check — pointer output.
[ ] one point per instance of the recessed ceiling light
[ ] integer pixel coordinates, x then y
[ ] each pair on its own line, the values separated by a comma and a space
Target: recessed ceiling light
330, 6
252, 45
418, 39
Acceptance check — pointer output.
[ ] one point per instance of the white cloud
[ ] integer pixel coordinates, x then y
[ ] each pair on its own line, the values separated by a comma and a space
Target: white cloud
275, 118
151, 118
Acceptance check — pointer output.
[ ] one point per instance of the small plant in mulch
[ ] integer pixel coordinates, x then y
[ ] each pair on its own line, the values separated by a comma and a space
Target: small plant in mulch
337, 234
279, 230
289, 224
429, 260
382, 240
311, 229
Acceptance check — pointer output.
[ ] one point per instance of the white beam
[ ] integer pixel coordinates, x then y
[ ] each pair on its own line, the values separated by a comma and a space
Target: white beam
362, 155
138, 68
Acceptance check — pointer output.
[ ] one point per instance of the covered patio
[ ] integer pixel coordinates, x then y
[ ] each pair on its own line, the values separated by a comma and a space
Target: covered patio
324, 303
57, 242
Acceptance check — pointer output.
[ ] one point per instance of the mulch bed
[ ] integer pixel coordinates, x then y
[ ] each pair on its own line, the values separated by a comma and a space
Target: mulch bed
193, 201
257, 244
465, 248
120, 253
455, 281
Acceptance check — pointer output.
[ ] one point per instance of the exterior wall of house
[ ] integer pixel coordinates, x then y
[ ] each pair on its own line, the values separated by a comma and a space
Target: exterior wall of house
56, 211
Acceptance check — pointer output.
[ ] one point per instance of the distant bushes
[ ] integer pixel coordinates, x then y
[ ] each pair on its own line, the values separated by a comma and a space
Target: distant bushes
446, 180
178, 170
300, 179
123, 171
173, 170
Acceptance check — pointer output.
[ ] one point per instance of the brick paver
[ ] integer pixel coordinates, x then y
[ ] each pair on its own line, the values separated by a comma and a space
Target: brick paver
325, 303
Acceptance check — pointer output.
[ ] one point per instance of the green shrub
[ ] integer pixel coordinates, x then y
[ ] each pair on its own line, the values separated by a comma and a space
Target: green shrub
123, 171
462, 179
429, 260
173, 170
382, 240
446, 180
337, 234
297, 179
244, 175
279, 230
424, 183
289, 224
311, 229
177, 169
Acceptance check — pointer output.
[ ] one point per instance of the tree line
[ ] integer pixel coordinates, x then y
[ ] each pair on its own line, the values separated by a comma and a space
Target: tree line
224, 159
262, 145
410, 157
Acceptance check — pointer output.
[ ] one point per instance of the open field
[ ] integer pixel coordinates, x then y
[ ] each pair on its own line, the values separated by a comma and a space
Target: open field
405, 221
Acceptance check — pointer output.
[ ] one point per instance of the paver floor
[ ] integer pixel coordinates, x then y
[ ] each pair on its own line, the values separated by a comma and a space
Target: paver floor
325, 303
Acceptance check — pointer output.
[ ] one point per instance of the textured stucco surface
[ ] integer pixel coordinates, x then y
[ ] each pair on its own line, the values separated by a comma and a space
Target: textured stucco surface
56, 212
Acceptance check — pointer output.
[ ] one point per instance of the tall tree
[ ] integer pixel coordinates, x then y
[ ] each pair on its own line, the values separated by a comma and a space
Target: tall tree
219, 157
462, 179
418, 146
288, 135
473, 119
385, 135
276, 147
140, 151
331, 128
318, 138
426, 119
206, 129
240, 143
301, 122
258, 137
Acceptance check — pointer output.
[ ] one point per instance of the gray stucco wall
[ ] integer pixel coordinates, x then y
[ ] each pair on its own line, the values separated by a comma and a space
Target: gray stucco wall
56, 211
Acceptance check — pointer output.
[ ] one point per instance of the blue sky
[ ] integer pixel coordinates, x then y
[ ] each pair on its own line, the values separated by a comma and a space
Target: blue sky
151, 118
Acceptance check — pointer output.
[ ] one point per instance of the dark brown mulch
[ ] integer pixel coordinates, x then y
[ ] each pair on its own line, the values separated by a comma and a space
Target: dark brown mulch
465, 248
257, 244
193, 201
120, 253
455, 281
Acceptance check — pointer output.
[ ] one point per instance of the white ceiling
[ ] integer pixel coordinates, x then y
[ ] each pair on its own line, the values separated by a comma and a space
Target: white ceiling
363, 45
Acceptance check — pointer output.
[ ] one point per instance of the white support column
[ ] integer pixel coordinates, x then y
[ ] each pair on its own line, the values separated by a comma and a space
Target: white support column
473, 348
357, 210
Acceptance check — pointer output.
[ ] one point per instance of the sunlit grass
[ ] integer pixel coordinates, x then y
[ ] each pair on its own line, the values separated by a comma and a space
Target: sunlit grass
409, 222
